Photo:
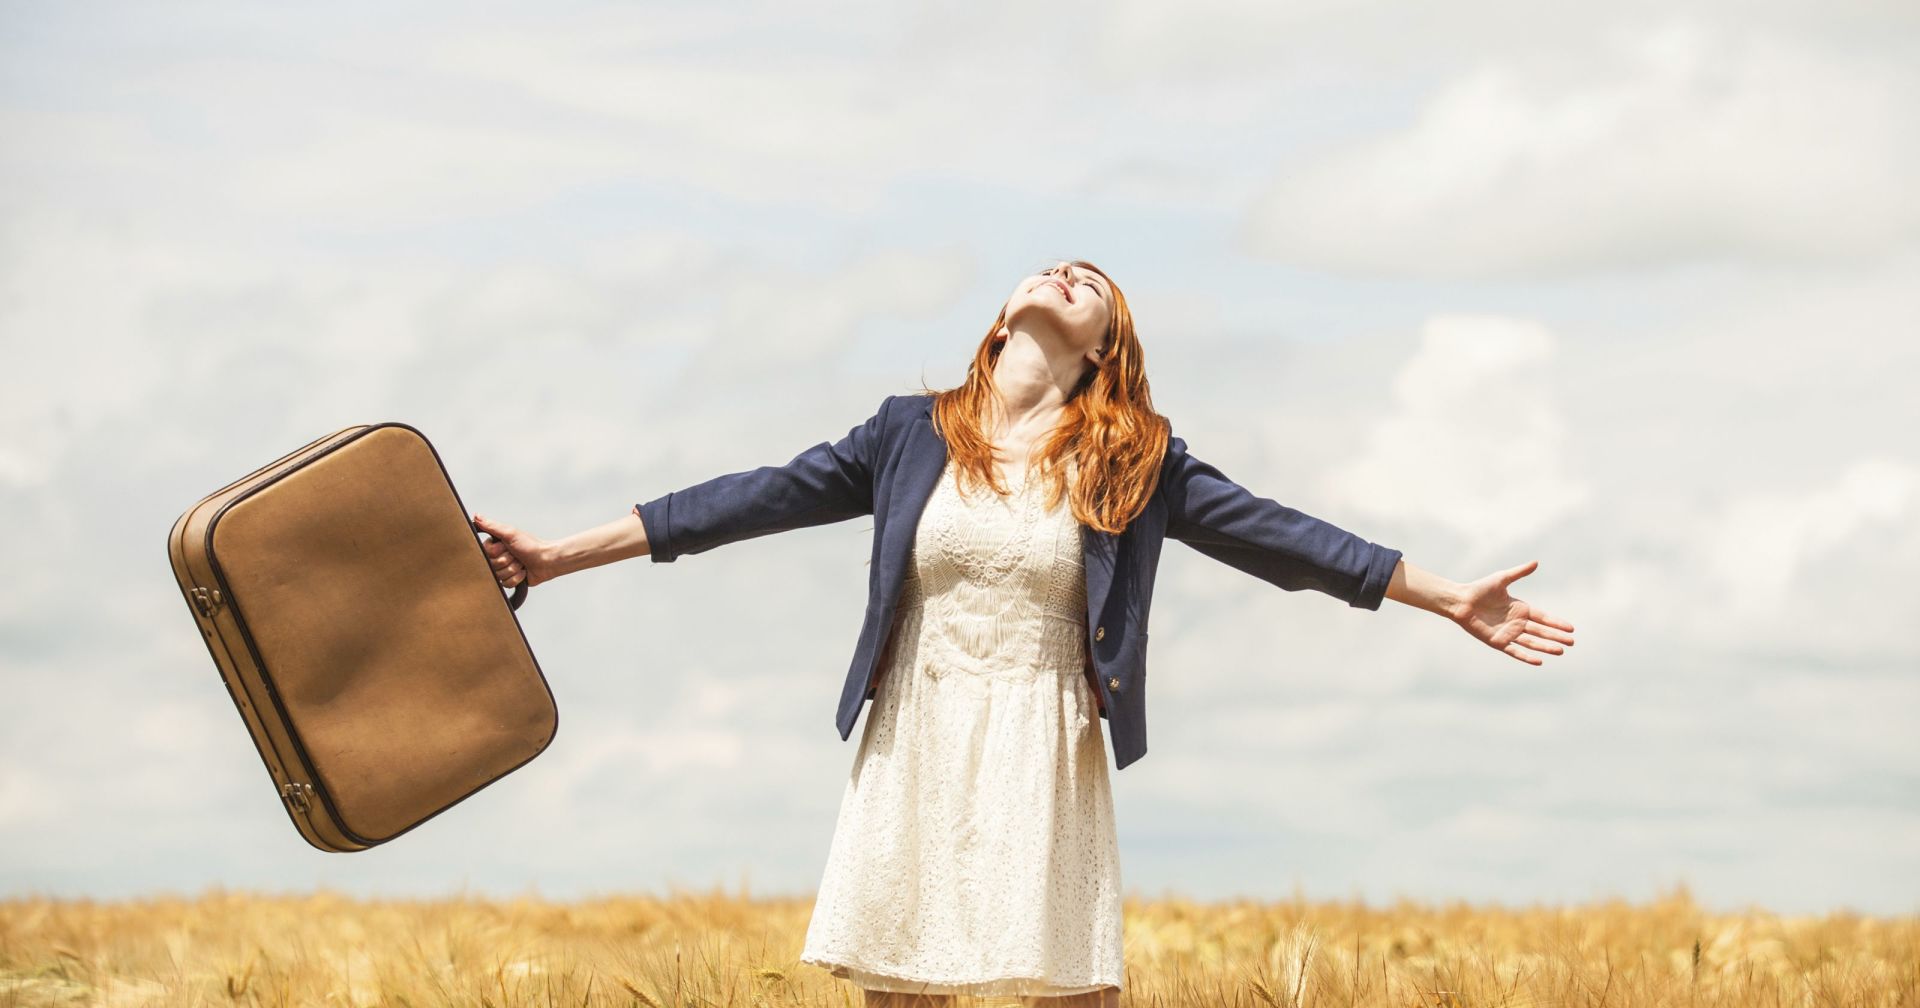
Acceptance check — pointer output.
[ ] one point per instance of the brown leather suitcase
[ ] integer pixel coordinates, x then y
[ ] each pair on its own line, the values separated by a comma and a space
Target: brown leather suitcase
356, 621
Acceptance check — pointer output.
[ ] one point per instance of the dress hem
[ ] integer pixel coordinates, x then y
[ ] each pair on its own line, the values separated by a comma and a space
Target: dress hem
1017, 986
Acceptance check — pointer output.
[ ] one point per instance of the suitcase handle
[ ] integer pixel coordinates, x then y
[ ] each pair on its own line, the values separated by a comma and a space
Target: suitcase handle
520, 590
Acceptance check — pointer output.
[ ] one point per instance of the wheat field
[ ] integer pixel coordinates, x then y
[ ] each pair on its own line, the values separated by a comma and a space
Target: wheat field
714, 949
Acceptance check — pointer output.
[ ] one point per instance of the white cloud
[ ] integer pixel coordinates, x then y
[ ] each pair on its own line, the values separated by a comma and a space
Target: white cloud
1760, 547
1684, 140
1472, 444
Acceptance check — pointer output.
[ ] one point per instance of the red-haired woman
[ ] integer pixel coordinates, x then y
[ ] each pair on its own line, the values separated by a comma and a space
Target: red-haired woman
1018, 520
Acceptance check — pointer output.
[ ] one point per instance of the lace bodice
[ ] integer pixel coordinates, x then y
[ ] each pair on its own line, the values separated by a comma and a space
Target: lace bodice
1000, 581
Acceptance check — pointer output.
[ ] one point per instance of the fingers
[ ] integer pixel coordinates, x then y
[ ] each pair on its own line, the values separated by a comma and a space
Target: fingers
1539, 617
497, 529
1523, 642
506, 567
1513, 648
511, 574
491, 541
1539, 629
1539, 645
1512, 574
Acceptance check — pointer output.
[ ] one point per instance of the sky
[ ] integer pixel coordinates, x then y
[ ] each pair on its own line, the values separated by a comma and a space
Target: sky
1630, 289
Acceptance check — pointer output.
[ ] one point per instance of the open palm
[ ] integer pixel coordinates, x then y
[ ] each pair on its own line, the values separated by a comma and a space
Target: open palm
1509, 624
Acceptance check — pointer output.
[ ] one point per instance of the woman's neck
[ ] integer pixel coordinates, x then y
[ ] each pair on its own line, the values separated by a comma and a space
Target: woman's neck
1031, 387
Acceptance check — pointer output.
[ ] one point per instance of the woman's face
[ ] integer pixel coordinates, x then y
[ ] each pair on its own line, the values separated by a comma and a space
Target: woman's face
1066, 305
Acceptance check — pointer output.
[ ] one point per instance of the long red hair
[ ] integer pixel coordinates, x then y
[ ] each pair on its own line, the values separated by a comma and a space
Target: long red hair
1108, 427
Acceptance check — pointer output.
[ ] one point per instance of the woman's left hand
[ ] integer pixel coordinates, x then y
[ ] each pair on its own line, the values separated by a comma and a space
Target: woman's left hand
1508, 624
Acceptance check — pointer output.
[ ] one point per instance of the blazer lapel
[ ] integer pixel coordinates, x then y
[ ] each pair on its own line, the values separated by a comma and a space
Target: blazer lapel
921, 463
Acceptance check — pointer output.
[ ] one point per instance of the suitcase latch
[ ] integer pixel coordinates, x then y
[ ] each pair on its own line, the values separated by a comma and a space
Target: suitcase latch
206, 600
297, 795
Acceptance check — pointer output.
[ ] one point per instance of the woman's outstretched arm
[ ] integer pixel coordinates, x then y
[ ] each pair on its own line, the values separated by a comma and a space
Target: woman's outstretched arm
828, 482
1285, 547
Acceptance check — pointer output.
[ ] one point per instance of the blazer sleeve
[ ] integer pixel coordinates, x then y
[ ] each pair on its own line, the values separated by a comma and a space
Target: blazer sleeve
1273, 542
823, 484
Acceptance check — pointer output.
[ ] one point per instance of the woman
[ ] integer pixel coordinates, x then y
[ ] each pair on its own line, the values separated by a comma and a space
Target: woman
1018, 520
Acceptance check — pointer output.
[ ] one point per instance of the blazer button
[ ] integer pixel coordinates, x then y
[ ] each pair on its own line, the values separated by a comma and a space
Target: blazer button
1114, 684
1099, 633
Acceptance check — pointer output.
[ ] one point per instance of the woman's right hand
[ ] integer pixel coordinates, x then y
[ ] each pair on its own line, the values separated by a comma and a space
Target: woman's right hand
517, 555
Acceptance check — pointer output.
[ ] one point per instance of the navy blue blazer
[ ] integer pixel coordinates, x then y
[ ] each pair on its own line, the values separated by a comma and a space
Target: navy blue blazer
888, 466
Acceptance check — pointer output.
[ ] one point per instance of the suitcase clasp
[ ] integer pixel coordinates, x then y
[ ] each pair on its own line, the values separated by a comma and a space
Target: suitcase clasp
297, 795
206, 600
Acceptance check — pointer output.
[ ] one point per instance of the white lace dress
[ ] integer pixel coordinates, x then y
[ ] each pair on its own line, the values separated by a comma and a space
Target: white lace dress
975, 850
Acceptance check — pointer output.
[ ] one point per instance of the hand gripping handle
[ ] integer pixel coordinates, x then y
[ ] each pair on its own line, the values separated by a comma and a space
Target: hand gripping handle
520, 590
